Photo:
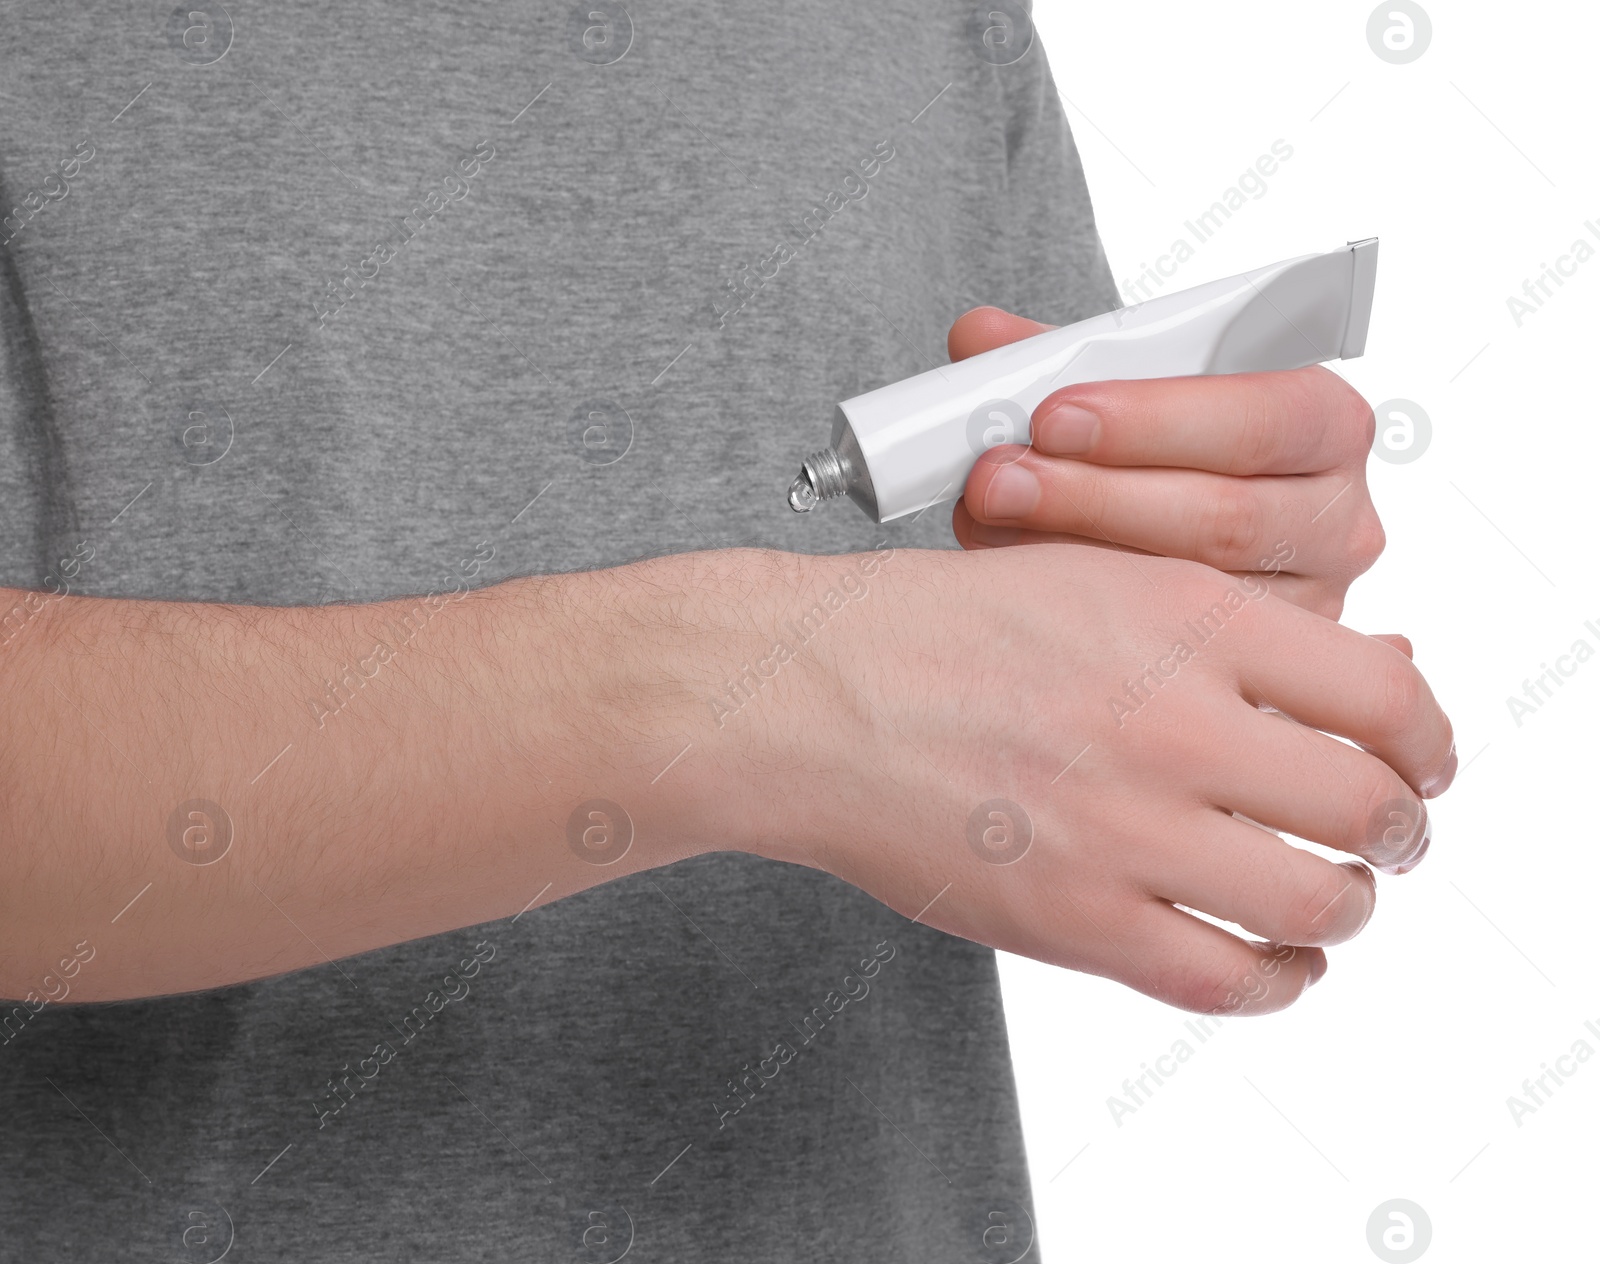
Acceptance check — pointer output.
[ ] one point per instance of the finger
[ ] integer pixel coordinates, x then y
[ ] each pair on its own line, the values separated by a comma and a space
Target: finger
1291, 778
1332, 678
1301, 421
1271, 888
1184, 961
972, 534
985, 328
1250, 524
1311, 593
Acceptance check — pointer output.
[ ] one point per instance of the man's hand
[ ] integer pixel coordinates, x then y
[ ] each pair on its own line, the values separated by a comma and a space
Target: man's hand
1044, 749
1248, 472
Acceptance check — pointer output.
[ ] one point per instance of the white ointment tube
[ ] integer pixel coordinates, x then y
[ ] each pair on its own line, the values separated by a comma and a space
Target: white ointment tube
900, 448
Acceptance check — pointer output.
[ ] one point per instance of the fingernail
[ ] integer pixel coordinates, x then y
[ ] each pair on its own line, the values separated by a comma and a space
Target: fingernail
1397, 640
1435, 786
1066, 430
1419, 850
1415, 860
1319, 967
1361, 871
1013, 492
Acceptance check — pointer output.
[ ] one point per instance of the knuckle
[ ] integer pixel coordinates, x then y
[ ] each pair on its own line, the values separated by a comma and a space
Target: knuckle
1083, 497
1211, 601
1352, 416
1366, 540
1224, 982
1261, 434
1358, 426
1230, 524
1325, 910
1376, 789
1400, 704
1348, 421
1188, 582
1207, 989
1328, 602
1336, 423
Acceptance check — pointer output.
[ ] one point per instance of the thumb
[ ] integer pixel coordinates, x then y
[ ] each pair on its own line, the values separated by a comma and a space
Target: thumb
1403, 644
985, 328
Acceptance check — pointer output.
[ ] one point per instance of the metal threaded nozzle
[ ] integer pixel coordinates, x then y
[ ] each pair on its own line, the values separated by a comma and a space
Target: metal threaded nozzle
822, 477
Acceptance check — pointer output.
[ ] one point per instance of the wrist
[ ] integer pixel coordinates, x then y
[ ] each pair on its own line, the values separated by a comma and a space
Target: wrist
789, 728
651, 687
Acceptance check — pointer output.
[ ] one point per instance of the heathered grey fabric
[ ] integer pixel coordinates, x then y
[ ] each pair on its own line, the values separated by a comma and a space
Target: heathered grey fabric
177, 421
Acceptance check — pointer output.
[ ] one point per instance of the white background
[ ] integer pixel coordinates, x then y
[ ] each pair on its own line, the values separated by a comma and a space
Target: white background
1475, 166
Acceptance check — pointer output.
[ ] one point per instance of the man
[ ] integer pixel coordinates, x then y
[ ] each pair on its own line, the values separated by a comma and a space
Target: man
396, 865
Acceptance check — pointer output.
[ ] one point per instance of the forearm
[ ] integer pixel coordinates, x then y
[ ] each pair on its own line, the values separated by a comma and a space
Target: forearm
387, 771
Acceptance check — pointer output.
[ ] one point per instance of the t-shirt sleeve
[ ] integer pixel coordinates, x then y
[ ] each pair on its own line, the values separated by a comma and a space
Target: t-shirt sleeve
1057, 264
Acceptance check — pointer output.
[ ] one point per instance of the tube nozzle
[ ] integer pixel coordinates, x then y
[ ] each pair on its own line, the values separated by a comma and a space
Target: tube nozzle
822, 477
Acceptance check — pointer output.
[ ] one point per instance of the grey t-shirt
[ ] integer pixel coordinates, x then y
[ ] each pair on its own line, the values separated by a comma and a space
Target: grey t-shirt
305, 303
